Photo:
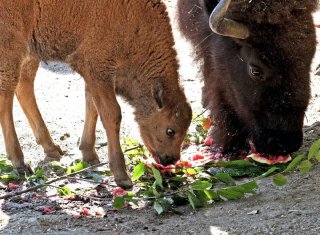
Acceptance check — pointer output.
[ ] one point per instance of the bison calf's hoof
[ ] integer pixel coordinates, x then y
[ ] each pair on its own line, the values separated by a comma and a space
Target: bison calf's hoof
124, 183
92, 162
91, 157
54, 154
24, 170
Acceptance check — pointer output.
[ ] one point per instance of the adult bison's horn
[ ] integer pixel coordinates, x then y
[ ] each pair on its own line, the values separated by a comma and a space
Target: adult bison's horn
224, 26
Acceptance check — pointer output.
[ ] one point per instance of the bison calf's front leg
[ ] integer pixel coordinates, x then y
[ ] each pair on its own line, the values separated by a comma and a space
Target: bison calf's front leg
13, 148
110, 114
116, 158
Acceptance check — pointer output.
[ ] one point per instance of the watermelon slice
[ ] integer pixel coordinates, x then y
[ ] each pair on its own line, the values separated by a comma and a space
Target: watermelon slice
269, 159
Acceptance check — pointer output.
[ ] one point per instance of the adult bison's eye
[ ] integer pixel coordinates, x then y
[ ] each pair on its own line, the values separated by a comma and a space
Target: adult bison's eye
170, 132
255, 71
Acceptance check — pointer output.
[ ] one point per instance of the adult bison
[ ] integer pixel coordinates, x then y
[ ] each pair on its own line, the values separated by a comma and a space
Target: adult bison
120, 48
256, 58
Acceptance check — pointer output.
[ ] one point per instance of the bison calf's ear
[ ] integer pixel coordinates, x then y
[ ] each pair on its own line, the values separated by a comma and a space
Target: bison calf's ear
157, 93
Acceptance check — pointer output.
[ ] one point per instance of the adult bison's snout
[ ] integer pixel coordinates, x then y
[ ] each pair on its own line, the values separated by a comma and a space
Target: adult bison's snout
276, 142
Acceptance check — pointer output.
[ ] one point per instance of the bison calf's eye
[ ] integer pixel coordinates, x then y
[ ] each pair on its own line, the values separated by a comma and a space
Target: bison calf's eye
170, 132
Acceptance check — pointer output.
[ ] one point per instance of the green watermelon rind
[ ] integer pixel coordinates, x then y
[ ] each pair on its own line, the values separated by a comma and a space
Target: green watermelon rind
257, 158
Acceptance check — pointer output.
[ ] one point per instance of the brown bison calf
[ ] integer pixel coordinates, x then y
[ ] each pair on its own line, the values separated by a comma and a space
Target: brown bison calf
120, 47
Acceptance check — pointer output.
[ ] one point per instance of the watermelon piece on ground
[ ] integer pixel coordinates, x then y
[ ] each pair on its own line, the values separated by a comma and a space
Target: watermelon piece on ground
269, 159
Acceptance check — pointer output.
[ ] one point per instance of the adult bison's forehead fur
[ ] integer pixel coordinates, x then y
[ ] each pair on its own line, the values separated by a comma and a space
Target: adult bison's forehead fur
272, 12
258, 87
282, 30
284, 33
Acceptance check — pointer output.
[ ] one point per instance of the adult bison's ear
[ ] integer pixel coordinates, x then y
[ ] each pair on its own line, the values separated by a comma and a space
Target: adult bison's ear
157, 92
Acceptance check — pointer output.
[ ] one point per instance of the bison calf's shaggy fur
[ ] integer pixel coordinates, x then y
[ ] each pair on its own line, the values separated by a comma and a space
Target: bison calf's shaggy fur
120, 47
256, 68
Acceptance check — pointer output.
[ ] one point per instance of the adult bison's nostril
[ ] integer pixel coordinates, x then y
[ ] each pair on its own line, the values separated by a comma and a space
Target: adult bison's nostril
169, 160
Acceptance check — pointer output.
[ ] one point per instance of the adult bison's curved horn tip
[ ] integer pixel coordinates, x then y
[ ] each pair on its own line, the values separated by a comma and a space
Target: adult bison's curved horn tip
226, 27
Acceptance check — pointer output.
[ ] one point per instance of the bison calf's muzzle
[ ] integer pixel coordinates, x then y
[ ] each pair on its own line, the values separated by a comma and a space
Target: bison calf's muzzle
168, 160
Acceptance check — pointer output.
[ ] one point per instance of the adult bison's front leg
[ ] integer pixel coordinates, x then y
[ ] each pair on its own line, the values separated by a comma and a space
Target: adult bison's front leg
110, 114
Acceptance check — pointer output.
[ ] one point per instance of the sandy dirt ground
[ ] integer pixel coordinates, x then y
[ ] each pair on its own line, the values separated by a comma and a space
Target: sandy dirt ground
292, 209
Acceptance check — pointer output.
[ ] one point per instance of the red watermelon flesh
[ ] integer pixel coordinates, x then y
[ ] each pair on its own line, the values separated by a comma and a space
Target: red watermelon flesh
269, 159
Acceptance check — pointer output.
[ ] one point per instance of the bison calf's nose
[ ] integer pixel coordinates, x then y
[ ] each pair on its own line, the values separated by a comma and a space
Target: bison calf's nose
169, 160
278, 142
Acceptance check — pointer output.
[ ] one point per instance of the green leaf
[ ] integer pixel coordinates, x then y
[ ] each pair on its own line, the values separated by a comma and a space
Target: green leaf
158, 207
9, 177
251, 171
157, 176
5, 166
130, 194
65, 191
118, 202
40, 173
280, 180
247, 187
69, 170
294, 163
193, 200
138, 171
201, 185
80, 166
237, 163
318, 156
202, 197
155, 192
56, 163
57, 167
212, 195
230, 193
178, 179
314, 149
130, 141
191, 171
149, 192
226, 178
305, 166
269, 172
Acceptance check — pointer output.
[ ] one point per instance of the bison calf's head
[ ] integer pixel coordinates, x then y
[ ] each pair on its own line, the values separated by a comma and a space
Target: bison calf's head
163, 128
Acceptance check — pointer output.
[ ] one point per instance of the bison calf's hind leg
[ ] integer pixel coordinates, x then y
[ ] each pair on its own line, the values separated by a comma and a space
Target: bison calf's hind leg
88, 136
110, 113
26, 97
